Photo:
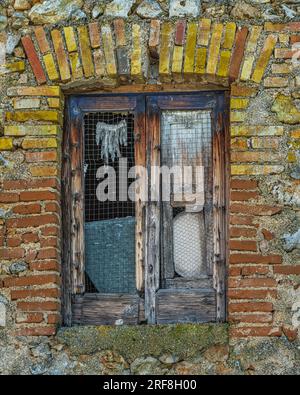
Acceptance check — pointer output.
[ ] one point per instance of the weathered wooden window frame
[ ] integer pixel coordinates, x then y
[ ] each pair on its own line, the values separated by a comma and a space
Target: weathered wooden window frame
148, 234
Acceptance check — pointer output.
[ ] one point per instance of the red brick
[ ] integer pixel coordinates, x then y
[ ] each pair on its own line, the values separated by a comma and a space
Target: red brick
50, 231
30, 196
252, 283
180, 32
241, 196
44, 265
251, 270
238, 53
49, 242
30, 318
254, 258
250, 307
13, 253
37, 331
38, 306
34, 221
290, 332
267, 234
242, 220
27, 209
94, 34
243, 184
53, 319
34, 60
44, 156
260, 331
52, 207
252, 318
30, 255
6, 197
34, 293
31, 280
242, 232
242, 245
251, 294
119, 29
262, 210
47, 253
287, 269
234, 271
30, 237
42, 39
13, 241
31, 184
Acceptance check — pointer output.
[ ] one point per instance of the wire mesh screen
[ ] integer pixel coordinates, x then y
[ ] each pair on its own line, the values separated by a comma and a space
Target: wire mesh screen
186, 141
109, 224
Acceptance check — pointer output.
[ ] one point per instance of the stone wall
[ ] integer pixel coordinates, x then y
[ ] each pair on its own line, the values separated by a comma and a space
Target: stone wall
52, 48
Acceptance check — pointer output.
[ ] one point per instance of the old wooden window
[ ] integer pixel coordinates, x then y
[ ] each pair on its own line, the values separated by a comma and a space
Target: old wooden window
160, 260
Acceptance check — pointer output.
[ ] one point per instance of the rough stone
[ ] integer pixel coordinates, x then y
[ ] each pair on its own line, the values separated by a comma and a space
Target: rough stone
54, 11
17, 267
22, 5
286, 110
3, 22
242, 10
120, 8
2, 314
180, 8
12, 41
291, 241
149, 9
97, 10
146, 366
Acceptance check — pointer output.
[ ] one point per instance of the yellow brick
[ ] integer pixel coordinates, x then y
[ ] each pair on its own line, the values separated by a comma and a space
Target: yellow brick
61, 55
291, 157
42, 115
39, 143
190, 48
263, 143
276, 82
282, 68
230, 30
75, 65
284, 39
136, 55
16, 66
256, 130
34, 91
247, 67
295, 144
28, 130
177, 59
21, 103
295, 134
165, 48
237, 104
224, 63
255, 156
6, 144
214, 49
237, 116
54, 102
99, 61
70, 39
273, 27
240, 90
200, 66
204, 31
264, 58
43, 171
85, 49
254, 36
239, 144
50, 67
256, 169
108, 48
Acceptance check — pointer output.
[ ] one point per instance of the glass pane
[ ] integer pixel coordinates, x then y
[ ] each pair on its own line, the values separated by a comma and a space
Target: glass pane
110, 224
186, 145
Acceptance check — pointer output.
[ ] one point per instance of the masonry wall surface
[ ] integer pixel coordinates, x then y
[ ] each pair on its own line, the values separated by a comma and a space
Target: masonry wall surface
51, 49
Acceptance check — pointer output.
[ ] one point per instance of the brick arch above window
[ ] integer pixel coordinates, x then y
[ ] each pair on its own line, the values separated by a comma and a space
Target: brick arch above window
124, 52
